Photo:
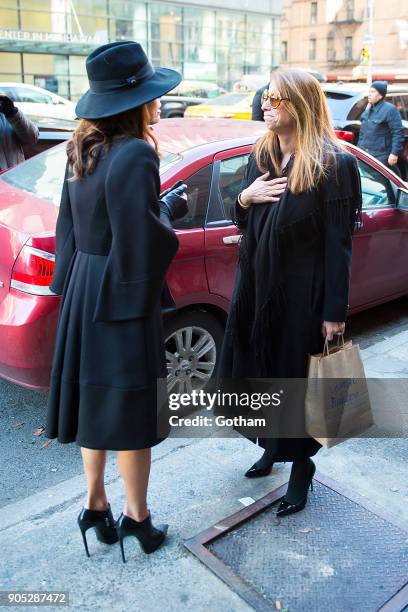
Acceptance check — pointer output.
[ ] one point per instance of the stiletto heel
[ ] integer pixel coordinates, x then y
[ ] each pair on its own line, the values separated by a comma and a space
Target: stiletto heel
122, 550
149, 537
83, 532
287, 508
103, 523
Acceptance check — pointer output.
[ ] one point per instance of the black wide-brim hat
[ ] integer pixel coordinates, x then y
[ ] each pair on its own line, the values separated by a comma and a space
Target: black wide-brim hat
120, 78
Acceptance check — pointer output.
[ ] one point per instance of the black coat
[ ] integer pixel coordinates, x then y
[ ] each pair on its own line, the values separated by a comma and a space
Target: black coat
112, 255
305, 241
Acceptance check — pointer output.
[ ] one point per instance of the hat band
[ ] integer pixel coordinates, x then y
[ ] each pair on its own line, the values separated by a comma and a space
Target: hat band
110, 86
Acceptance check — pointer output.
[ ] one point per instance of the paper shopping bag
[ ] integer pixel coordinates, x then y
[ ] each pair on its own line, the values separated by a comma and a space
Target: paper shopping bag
337, 403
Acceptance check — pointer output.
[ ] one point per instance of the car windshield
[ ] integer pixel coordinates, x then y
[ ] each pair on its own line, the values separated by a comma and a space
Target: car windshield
227, 99
42, 175
339, 103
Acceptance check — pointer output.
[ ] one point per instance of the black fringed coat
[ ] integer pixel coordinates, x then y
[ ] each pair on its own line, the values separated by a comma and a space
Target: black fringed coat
293, 274
112, 256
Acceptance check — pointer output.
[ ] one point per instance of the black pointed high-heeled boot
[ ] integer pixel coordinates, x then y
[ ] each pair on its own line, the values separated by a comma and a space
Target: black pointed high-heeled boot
150, 537
103, 523
262, 467
286, 507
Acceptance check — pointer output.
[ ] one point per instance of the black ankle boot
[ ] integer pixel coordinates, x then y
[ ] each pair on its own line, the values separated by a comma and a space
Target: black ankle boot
103, 523
286, 507
150, 537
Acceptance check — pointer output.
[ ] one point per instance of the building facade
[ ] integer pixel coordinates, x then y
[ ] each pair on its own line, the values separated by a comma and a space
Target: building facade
329, 35
44, 42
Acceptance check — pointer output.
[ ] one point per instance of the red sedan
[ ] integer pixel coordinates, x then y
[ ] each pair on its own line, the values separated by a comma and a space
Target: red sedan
210, 156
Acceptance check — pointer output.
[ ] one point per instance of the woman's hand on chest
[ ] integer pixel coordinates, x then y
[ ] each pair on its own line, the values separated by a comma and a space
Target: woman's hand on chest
263, 191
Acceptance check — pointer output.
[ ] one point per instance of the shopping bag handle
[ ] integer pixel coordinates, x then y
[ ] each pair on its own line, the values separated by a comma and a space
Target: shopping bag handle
326, 351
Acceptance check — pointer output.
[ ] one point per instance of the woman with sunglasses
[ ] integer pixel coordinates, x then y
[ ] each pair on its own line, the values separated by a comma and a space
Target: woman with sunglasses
297, 208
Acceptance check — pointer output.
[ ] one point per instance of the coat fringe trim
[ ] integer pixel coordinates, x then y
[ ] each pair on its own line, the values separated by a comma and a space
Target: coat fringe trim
256, 325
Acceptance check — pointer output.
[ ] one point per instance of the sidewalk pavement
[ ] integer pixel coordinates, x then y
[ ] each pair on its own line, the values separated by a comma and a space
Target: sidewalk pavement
194, 484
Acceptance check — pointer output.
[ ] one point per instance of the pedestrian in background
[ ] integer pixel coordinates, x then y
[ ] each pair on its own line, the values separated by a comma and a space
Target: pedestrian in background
114, 244
257, 112
381, 132
299, 200
15, 131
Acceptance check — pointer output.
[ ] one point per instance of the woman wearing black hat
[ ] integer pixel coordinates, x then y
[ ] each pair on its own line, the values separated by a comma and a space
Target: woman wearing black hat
114, 244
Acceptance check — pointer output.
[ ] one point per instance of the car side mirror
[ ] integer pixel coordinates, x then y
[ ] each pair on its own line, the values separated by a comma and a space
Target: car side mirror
402, 199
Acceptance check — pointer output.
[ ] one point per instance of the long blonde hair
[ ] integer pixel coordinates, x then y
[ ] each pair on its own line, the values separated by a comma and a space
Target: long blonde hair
92, 135
316, 142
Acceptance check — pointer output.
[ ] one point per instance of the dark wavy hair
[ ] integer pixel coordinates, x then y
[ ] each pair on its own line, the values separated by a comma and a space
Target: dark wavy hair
92, 135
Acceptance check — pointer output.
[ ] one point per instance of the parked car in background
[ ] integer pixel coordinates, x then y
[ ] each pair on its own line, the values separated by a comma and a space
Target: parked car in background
210, 157
188, 93
228, 106
32, 100
52, 132
348, 101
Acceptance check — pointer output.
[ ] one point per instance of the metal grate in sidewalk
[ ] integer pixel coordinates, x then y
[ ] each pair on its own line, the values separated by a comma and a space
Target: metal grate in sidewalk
341, 553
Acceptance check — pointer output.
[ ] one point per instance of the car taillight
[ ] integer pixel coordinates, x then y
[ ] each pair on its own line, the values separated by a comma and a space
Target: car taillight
33, 270
345, 135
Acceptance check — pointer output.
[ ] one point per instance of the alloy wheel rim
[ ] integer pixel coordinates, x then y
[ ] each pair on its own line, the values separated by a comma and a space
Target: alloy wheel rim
190, 356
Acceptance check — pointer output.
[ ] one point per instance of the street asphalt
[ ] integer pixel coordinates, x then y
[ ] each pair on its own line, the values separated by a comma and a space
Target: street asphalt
194, 484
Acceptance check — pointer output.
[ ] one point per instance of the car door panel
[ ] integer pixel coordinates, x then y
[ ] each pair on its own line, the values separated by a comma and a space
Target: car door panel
221, 235
380, 246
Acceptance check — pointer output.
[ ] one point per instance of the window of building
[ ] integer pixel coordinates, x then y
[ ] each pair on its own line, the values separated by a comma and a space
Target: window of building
199, 35
348, 48
284, 51
204, 43
350, 10
312, 49
331, 52
9, 19
313, 12
10, 67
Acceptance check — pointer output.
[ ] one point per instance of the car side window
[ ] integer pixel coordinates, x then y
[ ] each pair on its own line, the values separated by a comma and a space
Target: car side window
10, 93
358, 109
31, 95
375, 187
403, 106
198, 186
232, 172
397, 102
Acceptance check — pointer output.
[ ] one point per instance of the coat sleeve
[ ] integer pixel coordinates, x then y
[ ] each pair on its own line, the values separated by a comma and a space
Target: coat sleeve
25, 131
342, 206
397, 131
142, 245
64, 240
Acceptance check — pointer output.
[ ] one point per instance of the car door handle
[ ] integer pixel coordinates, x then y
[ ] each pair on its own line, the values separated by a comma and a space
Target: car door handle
234, 239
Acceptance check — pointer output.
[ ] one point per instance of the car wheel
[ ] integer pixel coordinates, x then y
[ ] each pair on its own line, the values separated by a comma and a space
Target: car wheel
193, 342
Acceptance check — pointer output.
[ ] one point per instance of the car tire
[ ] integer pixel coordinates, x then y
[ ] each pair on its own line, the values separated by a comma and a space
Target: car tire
193, 342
